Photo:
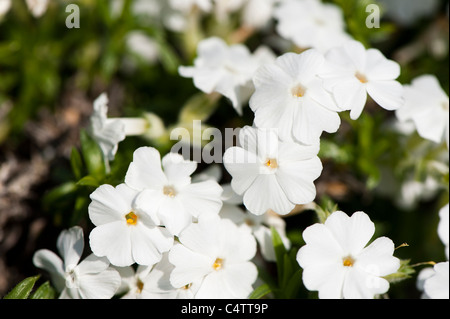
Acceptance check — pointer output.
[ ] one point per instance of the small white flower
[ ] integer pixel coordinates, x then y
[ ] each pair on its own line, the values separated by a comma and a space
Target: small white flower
289, 96
311, 24
352, 72
143, 46
426, 104
37, 7
123, 233
257, 13
436, 285
216, 252
259, 225
186, 6
224, 8
271, 174
108, 132
169, 196
225, 69
92, 278
5, 5
336, 262
443, 227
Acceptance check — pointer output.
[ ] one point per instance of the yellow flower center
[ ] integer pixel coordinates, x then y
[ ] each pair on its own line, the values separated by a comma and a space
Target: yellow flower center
298, 91
218, 263
169, 191
348, 261
131, 218
140, 286
272, 163
361, 77
186, 287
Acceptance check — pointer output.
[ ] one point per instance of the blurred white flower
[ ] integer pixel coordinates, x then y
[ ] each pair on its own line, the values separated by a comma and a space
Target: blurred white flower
336, 262
123, 233
257, 13
37, 7
109, 132
271, 174
225, 69
311, 24
352, 72
168, 196
426, 104
216, 253
223, 8
5, 5
436, 285
92, 278
142, 46
290, 96
443, 227
187, 5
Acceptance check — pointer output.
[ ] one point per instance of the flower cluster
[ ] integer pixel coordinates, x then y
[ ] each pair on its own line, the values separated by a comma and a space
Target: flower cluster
166, 232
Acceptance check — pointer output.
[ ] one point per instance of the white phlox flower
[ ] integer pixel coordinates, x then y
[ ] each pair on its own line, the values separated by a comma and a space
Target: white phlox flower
92, 278
168, 196
225, 69
290, 96
427, 106
311, 24
108, 132
150, 282
443, 228
352, 73
436, 285
143, 46
5, 5
271, 174
186, 6
37, 7
123, 233
259, 225
257, 13
337, 263
224, 8
216, 253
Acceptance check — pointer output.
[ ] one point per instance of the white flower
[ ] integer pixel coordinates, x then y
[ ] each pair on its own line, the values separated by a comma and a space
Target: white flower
169, 196
37, 7
289, 96
311, 24
225, 69
187, 5
123, 233
148, 282
352, 72
108, 132
143, 46
426, 104
443, 227
272, 174
257, 13
436, 286
5, 5
217, 253
223, 8
336, 262
260, 226
92, 278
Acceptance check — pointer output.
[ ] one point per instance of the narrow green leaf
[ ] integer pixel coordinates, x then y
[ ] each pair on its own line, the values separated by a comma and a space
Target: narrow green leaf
92, 155
76, 163
45, 291
23, 288
260, 292
88, 181
293, 285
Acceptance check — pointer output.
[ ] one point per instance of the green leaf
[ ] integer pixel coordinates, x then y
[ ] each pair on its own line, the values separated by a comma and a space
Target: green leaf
404, 272
23, 288
88, 181
199, 107
76, 163
293, 285
260, 292
92, 155
45, 291
280, 251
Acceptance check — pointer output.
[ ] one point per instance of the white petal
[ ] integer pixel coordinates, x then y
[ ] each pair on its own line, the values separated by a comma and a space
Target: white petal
387, 94
177, 169
93, 264
362, 285
149, 244
378, 68
243, 167
239, 279
145, 170
202, 197
173, 215
70, 245
100, 286
265, 193
378, 259
49, 261
113, 240
352, 233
